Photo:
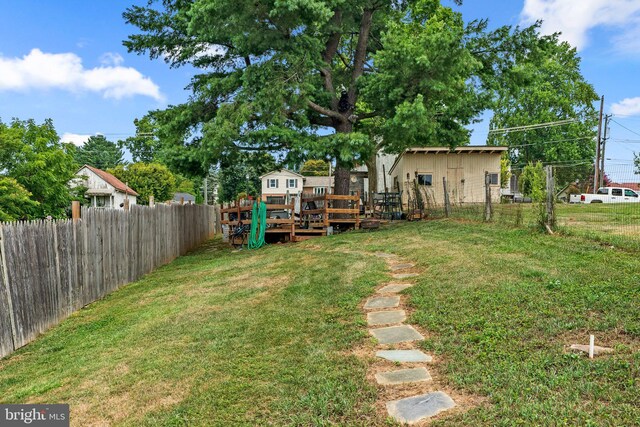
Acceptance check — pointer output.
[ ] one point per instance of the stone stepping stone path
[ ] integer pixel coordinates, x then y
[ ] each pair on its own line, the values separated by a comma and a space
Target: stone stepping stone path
404, 355
386, 317
414, 409
403, 376
418, 408
396, 334
384, 255
394, 287
382, 302
396, 267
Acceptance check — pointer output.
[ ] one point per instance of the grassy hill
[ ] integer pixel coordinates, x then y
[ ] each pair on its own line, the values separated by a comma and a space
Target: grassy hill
266, 337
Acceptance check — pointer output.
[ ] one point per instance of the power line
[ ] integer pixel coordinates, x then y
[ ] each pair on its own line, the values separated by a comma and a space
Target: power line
623, 126
531, 127
552, 142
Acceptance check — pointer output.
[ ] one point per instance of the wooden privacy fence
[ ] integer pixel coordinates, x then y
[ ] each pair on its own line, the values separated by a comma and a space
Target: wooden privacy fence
49, 269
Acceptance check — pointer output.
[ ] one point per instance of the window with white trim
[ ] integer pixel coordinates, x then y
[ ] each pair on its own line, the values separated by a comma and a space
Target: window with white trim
272, 183
319, 191
292, 182
493, 179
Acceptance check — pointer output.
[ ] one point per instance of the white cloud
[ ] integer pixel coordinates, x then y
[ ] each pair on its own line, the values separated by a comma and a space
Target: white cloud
76, 139
575, 18
111, 59
627, 107
39, 70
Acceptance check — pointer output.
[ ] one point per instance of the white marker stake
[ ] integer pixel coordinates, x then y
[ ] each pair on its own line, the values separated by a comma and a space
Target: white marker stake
592, 340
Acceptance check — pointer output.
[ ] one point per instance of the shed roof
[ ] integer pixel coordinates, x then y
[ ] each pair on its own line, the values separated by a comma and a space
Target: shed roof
111, 180
467, 149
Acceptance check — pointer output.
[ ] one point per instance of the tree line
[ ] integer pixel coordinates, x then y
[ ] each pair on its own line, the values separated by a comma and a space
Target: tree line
36, 168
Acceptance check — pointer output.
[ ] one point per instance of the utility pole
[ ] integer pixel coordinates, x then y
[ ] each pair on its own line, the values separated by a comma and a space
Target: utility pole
596, 174
604, 143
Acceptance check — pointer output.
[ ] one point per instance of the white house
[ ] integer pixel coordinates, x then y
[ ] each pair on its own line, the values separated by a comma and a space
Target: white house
103, 189
281, 185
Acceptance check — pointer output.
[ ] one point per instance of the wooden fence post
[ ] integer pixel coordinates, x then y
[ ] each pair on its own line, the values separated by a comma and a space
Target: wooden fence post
126, 205
487, 203
447, 205
7, 304
152, 202
75, 210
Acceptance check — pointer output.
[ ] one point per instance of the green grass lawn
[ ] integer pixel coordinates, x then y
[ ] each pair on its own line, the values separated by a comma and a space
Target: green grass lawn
266, 337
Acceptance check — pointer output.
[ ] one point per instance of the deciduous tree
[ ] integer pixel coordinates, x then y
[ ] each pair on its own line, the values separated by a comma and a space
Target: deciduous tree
315, 168
15, 201
147, 179
543, 84
33, 155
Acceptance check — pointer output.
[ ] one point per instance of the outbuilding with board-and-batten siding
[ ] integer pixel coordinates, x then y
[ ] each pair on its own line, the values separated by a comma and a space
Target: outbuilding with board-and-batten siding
463, 168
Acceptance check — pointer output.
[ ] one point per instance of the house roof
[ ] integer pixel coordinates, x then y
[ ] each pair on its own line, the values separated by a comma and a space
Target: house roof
468, 149
111, 180
186, 196
280, 171
318, 181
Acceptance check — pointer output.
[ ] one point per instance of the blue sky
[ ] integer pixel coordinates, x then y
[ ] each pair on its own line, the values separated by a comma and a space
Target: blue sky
65, 60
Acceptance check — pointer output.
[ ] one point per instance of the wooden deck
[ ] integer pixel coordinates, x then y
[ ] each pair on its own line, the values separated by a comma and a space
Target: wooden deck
327, 210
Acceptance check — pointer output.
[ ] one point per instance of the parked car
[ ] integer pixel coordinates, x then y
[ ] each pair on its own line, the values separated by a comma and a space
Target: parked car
607, 195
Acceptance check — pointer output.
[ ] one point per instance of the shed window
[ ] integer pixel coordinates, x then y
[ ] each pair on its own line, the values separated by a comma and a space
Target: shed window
425, 179
493, 179
272, 183
319, 190
292, 183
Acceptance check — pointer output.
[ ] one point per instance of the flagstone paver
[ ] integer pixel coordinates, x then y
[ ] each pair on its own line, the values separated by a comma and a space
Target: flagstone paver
403, 376
384, 255
396, 334
414, 409
386, 317
382, 302
396, 267
404, 355
404, 275
394, 287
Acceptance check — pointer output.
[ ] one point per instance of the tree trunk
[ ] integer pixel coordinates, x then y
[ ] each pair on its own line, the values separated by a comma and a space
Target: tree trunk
342, 177
343, 170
